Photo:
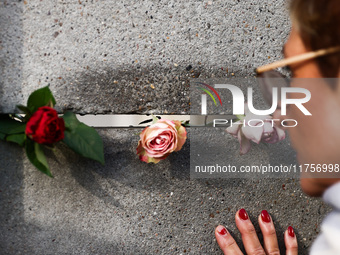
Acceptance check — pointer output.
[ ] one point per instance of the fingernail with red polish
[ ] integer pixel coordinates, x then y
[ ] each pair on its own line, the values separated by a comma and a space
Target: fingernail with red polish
265, 216
243, 214
222, 230
291, 232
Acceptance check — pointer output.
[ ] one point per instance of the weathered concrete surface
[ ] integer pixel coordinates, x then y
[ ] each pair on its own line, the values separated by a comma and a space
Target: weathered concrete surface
99, 55
129, 207
119, 57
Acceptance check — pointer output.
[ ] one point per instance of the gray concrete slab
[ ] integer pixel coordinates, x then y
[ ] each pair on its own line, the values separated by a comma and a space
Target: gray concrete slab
129, 207
132, 57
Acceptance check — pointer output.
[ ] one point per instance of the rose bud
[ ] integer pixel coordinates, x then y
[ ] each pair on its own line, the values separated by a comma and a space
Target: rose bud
45, 127
160, 139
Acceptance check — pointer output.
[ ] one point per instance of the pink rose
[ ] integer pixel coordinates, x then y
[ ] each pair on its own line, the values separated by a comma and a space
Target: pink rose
160, 139
262, 129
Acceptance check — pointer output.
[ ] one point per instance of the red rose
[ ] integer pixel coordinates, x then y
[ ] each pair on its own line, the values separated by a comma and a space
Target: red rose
45, 127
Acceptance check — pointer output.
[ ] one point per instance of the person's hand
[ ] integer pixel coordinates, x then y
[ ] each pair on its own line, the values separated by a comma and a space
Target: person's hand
250, 240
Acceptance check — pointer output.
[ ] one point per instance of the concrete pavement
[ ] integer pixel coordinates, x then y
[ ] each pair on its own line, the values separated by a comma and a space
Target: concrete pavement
135, 57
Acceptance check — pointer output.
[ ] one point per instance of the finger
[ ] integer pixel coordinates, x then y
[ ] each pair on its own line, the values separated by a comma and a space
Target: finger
250, 240
226, 241
271, 245
291, 242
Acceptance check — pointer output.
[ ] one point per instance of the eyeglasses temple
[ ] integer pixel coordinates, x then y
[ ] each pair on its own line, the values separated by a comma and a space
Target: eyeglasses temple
297, 59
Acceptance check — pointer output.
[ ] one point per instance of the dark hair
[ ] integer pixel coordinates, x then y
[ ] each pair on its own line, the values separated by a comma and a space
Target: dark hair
318, 22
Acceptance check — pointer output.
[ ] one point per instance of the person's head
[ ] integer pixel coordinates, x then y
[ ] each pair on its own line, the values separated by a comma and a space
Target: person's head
316, 139
317, 23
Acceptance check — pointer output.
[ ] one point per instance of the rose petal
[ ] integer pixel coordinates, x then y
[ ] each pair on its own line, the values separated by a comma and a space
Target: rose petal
144, 158
143, 155
167, 122
140, 148
154, 150
45, 127
280, 133
253, 133
244, 143
268, 127
153, 160
151, 134
141, 152
181, 135
233, 130
270, 138
157, 133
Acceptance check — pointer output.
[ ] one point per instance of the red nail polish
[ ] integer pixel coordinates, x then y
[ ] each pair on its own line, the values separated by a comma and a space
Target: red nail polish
291, 231
222, 231
243, 214
265, 216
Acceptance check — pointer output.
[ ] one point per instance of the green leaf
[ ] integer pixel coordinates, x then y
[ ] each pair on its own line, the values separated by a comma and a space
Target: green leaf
39, 98
83, 139
37, 157
155, 119
186, 123
17, 138
240, 117
9, 126
2, 136
24, 109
